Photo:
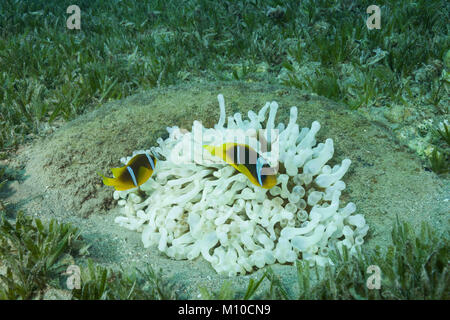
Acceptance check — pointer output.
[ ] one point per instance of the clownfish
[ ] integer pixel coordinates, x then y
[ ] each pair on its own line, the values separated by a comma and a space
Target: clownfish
137, 171
247, 161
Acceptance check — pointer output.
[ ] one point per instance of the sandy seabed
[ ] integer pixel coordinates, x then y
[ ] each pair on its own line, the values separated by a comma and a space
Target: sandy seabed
385, 179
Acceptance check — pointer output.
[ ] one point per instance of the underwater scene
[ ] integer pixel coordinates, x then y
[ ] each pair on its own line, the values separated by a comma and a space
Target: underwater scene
209, 150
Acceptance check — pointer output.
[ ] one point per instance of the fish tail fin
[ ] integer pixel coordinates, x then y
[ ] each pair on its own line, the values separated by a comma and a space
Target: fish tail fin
118, 171
107, 181
218, 151
211, 149
101, 175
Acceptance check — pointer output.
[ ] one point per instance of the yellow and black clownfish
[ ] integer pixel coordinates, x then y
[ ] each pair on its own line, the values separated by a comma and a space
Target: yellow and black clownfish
247, 161
137, 171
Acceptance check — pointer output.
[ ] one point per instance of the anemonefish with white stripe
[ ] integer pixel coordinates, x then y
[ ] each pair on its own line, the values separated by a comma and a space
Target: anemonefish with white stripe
137, 171
247, 161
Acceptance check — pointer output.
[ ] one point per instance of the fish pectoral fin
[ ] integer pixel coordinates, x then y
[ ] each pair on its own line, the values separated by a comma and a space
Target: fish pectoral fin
270, 182
143, 175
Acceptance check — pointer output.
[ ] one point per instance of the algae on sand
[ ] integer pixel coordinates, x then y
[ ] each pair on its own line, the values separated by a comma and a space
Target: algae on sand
384, 180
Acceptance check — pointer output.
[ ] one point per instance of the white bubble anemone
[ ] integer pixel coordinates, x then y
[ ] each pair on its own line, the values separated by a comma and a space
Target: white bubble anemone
197, 205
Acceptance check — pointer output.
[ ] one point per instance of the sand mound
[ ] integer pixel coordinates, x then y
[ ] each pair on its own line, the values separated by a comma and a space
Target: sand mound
384, 180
